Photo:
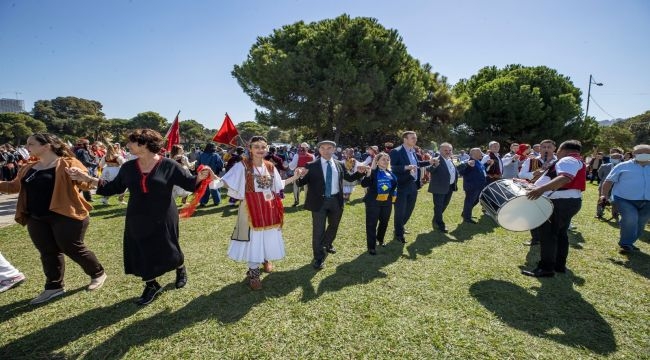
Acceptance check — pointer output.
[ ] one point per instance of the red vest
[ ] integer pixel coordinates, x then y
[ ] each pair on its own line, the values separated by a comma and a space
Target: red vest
304, 158
579, 182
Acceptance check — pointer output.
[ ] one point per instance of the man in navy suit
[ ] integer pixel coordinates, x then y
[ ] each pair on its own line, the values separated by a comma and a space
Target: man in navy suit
444, 178
324, 180
474, 180
404, 165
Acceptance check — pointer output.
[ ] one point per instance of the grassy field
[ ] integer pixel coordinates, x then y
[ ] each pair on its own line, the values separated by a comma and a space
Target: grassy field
456, 295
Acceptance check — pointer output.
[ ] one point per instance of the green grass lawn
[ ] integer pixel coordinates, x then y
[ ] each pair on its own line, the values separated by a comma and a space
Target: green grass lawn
455, 295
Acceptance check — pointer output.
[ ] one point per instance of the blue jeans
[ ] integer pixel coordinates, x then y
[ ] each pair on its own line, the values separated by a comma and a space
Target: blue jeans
216, 196
634, 216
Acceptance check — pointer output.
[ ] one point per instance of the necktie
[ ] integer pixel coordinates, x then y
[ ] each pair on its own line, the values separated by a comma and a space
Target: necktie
328, 180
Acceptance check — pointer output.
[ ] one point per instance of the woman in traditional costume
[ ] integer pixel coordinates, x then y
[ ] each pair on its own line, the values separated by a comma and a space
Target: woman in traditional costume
257, 238
151, 246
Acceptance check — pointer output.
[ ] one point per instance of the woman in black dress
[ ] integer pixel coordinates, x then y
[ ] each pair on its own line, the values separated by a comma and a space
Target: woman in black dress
151, 245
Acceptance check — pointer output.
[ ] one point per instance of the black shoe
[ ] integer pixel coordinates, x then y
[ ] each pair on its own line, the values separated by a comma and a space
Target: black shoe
400, 239
561, 270
181, 277
443, 230
471, 221
331, 250
531, 242
627, 249
372, 252
319, 264
381, 243
149, 294
201, 205
537, 272
294, 204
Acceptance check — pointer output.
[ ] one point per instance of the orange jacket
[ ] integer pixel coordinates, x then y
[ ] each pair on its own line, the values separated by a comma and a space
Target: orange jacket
66, 199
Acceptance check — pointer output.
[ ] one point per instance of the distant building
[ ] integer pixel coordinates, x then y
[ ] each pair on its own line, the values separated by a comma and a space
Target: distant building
11, 106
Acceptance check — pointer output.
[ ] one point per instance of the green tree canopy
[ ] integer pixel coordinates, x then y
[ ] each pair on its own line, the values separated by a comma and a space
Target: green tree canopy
338, 75
193, 132
639, 126
614, 136
523, 104
248, 129
16, 128
150, 120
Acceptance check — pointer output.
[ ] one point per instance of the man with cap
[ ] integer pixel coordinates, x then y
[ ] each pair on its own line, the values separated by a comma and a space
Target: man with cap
300, 160
324, 177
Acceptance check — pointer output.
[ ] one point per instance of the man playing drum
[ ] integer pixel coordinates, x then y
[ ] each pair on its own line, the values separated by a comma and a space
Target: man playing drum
533, 168
563, 183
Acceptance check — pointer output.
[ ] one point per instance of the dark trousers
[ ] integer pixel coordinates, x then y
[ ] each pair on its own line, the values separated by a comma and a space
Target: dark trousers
594, 176
554, 240
471, 199
440, 203
325, 224
216, 196
55, 235
376, 224
407, 195
535, 235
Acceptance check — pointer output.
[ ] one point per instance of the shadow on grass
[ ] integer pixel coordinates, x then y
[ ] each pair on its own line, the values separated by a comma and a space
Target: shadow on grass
557, 312
42, 344
23, 306
465, 231
362, 270
637, 261
425, 243
576, 240
227, 305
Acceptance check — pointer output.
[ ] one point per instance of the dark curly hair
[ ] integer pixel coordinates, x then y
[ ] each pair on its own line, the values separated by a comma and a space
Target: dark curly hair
150, 138
60, 148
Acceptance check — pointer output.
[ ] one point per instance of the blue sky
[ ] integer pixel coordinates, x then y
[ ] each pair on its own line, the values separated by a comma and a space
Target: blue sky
162, 56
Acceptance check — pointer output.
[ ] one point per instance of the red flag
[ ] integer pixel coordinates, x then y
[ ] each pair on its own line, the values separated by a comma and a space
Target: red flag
227, 134
173, 134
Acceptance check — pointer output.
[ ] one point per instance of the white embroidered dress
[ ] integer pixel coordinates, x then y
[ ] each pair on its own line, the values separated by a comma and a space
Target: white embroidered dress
263, 244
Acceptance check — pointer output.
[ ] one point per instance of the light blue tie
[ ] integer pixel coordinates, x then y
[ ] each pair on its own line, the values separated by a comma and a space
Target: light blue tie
328, 180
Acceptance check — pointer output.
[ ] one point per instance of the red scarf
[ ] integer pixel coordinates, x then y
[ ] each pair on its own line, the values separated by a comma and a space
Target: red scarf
188, 210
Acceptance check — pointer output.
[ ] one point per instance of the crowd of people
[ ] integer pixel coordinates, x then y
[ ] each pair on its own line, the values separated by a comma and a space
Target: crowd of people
54, 181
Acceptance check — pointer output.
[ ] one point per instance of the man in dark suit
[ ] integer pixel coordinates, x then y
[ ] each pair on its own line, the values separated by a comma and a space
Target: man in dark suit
474, 180
444, 179
324, 180
404, 165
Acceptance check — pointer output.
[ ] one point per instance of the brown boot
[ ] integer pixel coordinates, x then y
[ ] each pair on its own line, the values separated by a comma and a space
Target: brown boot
267, 266
254, 281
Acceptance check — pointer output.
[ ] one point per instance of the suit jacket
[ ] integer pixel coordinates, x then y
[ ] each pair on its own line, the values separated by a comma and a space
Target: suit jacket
473, 176
370, 182
315, 180
398, 160
440, 176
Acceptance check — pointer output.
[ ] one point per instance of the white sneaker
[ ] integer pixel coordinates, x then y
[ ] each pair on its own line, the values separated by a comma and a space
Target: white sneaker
104, 201
97, 282
7, 284
47, 295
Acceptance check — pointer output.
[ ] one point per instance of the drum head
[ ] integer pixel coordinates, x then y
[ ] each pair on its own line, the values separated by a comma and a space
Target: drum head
522, 214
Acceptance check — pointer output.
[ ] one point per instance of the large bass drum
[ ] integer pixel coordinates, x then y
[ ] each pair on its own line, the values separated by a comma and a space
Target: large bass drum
505, 201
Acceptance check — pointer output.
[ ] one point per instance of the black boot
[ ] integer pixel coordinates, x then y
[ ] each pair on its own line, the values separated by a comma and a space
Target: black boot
151, 290
181, 277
